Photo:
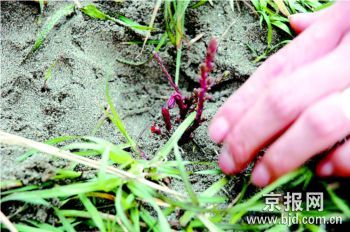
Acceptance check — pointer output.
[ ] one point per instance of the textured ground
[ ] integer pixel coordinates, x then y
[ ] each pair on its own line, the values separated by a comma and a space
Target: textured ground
83, 52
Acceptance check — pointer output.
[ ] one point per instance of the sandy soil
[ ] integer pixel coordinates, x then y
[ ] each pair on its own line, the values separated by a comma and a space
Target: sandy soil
84, 53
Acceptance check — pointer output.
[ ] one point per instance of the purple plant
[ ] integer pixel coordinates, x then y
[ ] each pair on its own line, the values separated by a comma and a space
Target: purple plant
166, 118
155, 129
194, 102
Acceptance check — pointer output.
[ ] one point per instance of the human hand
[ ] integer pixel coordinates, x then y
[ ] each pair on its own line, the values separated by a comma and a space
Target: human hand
296, 102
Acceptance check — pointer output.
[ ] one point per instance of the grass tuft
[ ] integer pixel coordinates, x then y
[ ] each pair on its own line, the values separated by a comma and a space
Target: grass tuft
92, 11
50, 23
274, 14
139, 204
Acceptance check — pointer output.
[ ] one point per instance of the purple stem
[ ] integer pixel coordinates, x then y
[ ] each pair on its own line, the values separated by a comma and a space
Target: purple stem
165, 71
166, 117
182, 106
205, 69
179, 99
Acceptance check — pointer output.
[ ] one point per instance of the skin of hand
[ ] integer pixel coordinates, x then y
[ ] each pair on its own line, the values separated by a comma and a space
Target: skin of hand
297, 103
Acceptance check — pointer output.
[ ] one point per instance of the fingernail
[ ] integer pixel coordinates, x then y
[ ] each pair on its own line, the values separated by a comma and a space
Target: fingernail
226, 162
261, 176
326, 169
219, 129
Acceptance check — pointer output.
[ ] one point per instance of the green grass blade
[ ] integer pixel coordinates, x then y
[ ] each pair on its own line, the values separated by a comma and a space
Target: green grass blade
149, 220
169, 21
135, 218
256, 4
160, 43
41, 5
60, 139
85, 146
117, 153
163, 223
214, 188
269, 28
7, 184
72, 213
324, 5
66, 174
141, 191
38, 201
180, 20
208, 224
244, 206
133, 24
340, 203
209, 192
184, 176
146, 194
211, 200
50, 23
44, 226
50, 142
282, 26
65, 190
66, 224
92, 11
178, 64
115, 118
166, 149
22, 189
26, 228
49, 72
95, 215
208, 172
104, 163
199, 3
120, 210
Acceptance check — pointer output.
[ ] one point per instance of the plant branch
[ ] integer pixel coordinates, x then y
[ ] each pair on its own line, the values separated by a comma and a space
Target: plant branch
205, 70
7, 222
154, 15
165, 71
